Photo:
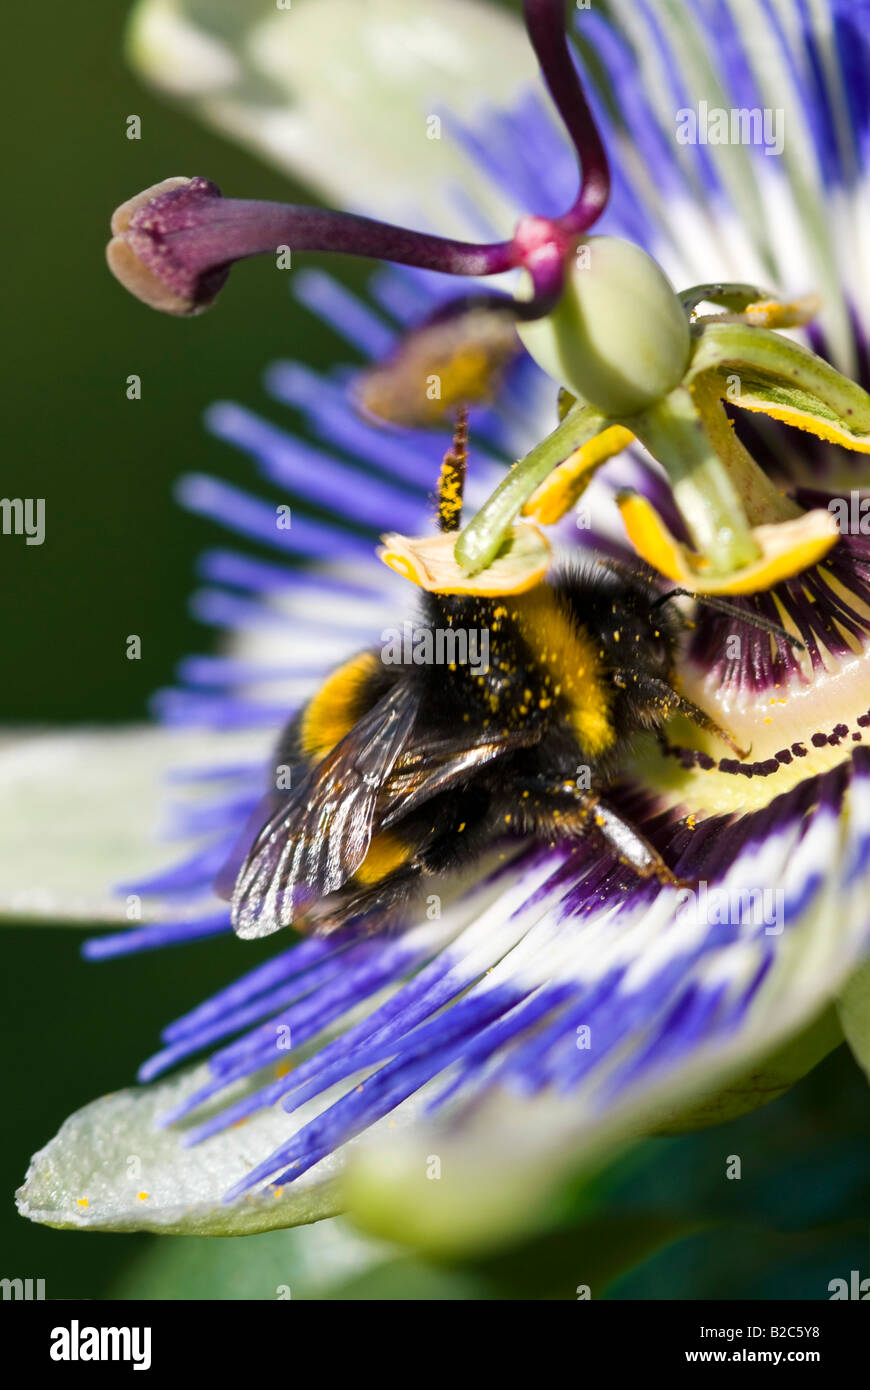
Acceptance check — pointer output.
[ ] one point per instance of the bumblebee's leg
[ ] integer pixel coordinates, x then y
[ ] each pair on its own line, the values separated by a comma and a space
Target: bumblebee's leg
559, 809
659, 695
631, 847
372, 908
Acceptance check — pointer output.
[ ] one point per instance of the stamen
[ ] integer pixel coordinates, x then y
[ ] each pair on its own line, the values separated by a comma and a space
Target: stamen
451, 483
828, 607
480, 540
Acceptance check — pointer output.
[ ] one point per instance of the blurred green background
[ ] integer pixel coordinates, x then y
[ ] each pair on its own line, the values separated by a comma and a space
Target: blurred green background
118, 558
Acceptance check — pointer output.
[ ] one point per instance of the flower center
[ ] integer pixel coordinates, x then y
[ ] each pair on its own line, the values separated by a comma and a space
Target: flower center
800, 713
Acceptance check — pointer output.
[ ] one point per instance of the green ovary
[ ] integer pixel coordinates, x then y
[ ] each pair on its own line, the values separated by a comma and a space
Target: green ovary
619, 337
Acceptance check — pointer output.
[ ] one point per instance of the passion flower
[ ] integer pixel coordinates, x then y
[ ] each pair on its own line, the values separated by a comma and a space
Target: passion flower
555, 1005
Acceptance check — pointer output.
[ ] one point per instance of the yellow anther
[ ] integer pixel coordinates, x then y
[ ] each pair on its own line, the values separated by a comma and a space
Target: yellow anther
786, 547
559, 492
429, 562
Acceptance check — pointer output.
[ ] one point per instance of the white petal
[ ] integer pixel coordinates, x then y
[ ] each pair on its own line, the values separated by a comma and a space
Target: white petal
111, 1168
84, 811
338, 92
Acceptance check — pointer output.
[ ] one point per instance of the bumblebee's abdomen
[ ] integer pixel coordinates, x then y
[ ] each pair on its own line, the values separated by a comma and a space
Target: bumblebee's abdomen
345, 695
387, 854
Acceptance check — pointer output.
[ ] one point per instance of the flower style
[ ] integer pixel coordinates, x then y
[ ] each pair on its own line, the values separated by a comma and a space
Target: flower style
553, 1005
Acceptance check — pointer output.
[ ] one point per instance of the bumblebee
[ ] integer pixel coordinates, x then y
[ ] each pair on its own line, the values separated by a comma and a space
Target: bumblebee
402, 769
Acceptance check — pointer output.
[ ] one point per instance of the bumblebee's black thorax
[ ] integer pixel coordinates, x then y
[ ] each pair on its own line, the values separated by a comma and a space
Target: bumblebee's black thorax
571, 658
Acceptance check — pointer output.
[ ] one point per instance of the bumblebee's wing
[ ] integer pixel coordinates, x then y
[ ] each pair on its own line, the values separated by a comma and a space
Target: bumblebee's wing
429, 767
320, 834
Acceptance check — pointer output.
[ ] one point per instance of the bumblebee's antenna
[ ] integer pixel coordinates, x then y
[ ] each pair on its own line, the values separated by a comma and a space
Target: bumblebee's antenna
451, 481
732, 610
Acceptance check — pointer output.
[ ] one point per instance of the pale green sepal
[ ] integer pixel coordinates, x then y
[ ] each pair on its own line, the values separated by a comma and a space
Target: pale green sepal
764, 1082
854, 1011
447, 1196
501, 1170
92, 1174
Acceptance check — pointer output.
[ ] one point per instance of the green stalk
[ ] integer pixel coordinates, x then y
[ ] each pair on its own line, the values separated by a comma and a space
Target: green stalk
674, 432
754, 351
480, 541
727, 295
762, 500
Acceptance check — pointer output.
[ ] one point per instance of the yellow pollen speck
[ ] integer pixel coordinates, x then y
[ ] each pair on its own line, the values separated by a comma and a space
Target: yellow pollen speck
82, 1202
616, 635
461, 828
767, 719
508, 818
143, 1196
277, 1191
544, 702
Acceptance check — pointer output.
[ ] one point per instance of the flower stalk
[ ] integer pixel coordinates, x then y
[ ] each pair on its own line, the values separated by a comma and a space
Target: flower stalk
674, 432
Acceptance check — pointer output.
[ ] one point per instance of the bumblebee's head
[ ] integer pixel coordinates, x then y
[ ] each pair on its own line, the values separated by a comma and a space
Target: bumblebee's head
636, 627
648, 627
